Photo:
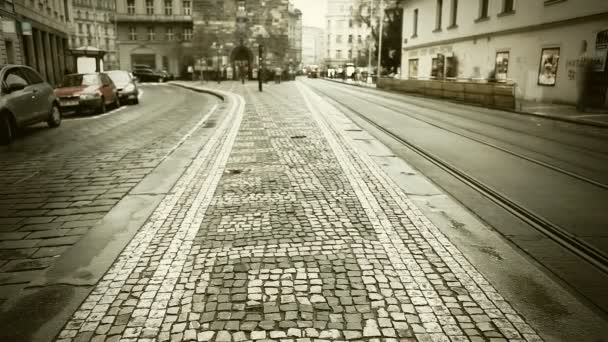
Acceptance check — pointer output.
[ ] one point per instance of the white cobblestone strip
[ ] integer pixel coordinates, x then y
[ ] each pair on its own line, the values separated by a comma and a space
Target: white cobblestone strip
476, 303
100, 309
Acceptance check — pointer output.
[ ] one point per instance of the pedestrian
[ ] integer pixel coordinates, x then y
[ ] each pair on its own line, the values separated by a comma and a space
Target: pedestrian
277, 75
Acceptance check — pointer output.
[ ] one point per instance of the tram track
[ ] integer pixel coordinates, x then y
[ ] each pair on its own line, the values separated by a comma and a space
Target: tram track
551, 230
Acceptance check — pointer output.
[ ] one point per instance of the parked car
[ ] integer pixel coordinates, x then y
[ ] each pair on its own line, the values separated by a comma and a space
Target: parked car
126, 85
149, 75
25, 98
168, 76
85, 92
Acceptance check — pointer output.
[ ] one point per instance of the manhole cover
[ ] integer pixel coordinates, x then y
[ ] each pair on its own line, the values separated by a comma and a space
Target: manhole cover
298, 137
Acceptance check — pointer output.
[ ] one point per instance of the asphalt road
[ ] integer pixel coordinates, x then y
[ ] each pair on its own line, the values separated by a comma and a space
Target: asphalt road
556, 170
55, 184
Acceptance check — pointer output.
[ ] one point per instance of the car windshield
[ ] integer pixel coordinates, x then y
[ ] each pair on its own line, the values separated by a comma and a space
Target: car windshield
80, 80
119, 77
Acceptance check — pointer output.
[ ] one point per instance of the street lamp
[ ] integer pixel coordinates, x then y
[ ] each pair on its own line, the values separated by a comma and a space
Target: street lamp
380, 38
219, 48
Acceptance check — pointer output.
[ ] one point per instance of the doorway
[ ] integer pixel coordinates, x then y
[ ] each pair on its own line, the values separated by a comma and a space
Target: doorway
241, 59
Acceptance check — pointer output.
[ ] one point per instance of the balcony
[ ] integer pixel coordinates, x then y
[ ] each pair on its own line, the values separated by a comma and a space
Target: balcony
156, 18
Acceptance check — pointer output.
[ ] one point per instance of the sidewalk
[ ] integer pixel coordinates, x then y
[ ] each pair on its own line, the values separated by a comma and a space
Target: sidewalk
561, 112
282, 230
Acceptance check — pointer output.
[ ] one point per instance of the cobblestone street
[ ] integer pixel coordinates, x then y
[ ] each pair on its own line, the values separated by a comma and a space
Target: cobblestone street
56, 185
282, 230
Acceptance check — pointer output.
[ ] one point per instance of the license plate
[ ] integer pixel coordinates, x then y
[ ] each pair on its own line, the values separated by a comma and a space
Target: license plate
69, 103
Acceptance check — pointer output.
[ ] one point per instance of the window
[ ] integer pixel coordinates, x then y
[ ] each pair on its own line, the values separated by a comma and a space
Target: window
31, 76
79, 27
88, 28
359, 39
338, 38
454, 14
149, 7
105, 29
188, 33
350, 38
130, 7
169, 34
350, 54
108, 47
78, 14
501, 67
350, 23
413, 68
10, 53
483, 9
415, 23
151, 33
132, 33
14, 78
338, 54
438, 17
168, 7
507, 7
187, 4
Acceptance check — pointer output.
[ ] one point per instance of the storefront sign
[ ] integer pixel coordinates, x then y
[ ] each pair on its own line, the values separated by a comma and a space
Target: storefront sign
8, 26
26, 28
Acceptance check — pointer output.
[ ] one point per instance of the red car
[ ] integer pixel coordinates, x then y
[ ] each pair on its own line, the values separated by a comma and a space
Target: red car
85, 92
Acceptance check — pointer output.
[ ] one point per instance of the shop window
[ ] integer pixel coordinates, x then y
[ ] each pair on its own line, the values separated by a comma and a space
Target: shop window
413, 68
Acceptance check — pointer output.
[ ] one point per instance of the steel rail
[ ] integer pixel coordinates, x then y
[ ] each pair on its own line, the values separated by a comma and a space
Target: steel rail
553, 231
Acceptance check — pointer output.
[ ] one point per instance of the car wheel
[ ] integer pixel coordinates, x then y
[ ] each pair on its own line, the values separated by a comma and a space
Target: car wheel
102, 108
135, 101
161, 80
7, 130
54, 119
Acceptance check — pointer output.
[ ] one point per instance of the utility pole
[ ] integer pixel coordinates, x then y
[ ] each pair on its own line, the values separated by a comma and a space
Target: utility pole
369, 42
380, 39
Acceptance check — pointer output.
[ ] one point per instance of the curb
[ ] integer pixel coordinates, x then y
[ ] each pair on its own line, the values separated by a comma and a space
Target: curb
200, 90
548, 117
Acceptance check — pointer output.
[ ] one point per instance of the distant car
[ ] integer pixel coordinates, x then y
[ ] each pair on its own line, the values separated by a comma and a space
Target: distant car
85, 92
168, 76
150, 75
25, 98
126, 86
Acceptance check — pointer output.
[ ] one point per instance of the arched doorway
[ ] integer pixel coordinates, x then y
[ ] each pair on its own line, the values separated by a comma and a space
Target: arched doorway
241, 59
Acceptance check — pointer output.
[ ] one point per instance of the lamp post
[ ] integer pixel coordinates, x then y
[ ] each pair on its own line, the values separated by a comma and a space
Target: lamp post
380, 39
260, 65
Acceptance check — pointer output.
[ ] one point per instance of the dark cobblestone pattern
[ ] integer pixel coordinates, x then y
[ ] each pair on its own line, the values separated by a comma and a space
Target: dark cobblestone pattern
303, 238
53, 188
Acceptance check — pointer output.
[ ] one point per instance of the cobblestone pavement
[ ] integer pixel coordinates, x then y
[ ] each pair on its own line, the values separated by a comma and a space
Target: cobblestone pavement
56, 184
283, 231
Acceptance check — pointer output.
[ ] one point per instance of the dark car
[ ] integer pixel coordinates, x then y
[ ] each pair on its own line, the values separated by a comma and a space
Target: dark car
84, 92
149, 75
25, 98
126, 86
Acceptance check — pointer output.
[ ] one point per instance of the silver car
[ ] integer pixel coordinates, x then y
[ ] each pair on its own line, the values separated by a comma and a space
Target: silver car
25, 99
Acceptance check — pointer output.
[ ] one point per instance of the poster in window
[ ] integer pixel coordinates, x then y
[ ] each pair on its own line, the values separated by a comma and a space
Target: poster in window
413, 68
502, 65
547, 72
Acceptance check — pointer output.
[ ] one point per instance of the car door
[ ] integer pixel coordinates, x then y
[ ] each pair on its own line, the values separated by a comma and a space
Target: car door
43, 95
106, 88
19, 102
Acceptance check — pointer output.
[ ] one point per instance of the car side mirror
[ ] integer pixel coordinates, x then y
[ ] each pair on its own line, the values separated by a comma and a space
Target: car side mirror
11, 88
135, 79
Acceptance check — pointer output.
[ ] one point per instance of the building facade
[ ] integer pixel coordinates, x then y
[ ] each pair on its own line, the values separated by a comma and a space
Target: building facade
313, 46
35, 33
228, 33
295, 36
93, 25
347, 39
547, 49
154, 33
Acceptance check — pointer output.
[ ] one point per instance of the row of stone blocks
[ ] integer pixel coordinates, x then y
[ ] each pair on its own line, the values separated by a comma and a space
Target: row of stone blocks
497, 95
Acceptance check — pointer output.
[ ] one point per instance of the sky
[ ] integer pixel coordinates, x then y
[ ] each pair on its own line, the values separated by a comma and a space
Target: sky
313, 11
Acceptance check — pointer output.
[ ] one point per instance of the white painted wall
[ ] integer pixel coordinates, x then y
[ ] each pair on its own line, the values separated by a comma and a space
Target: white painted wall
475, 44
